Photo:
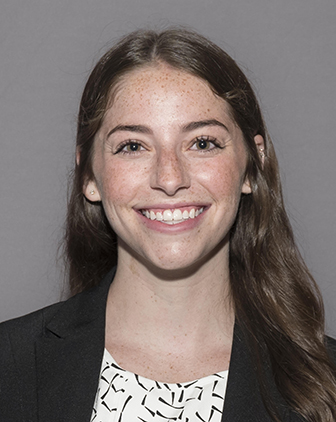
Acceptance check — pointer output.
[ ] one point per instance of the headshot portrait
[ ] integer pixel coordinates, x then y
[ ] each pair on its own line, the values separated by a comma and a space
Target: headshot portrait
168, 230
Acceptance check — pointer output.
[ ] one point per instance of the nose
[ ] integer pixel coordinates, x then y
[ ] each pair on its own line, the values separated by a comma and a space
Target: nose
170, 173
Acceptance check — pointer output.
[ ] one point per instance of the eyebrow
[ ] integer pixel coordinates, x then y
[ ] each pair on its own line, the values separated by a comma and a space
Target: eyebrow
186, 128
130, 128
203, 123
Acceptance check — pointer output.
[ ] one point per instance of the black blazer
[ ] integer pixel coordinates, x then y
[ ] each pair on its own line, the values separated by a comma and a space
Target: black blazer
50, 364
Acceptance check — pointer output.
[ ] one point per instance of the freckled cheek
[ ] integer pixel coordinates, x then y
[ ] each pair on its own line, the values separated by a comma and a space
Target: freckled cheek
221, 180
121, 184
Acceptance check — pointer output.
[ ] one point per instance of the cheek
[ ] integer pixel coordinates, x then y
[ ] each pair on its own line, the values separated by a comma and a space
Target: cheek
222, 178
121, 182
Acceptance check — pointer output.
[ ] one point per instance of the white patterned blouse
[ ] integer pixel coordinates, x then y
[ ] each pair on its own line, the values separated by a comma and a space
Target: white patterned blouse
126, 397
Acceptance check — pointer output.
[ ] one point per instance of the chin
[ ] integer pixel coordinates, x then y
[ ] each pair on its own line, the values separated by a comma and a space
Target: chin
173, 260
183, 266
173, 271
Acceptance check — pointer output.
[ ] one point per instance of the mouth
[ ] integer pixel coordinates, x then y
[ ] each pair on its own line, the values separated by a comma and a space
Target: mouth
172, 215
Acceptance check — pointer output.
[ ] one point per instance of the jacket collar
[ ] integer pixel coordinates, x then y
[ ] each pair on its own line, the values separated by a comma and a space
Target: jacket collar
243, 399
68, 356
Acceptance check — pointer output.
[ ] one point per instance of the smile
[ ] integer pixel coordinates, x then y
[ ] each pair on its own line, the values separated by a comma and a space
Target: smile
172, 216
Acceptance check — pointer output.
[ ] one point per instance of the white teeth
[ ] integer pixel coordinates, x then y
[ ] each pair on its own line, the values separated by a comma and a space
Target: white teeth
172, 217
167, 215
177, 215
185, 215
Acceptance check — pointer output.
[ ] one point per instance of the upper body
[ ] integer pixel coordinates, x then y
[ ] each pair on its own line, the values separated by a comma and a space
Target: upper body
51, 360
176, 181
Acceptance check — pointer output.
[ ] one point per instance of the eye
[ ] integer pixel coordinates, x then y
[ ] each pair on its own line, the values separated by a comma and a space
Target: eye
204, 143
132, 147
129, 147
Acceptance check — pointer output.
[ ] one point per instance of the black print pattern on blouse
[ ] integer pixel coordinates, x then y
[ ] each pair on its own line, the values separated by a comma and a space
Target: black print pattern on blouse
126, 397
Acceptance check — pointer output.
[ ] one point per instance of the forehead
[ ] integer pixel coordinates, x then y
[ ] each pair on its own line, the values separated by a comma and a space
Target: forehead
162, 89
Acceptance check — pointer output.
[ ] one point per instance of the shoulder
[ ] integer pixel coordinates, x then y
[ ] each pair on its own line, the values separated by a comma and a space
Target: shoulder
44, 348
23, 331
31, 323
60, 317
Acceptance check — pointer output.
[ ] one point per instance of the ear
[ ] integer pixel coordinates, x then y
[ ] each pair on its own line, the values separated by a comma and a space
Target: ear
246, 188
91, 191
78, 154
260, 144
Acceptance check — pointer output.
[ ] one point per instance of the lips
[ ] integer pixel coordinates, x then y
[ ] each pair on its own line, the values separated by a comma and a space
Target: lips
172, 215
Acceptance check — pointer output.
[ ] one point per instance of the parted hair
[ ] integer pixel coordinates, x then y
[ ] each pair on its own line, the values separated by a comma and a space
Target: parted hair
276, 299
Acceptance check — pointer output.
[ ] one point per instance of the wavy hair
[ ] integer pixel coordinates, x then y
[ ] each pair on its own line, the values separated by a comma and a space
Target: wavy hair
276, 299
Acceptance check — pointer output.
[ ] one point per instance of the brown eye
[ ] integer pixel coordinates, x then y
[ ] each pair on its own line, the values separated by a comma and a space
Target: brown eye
203, 144
132, 147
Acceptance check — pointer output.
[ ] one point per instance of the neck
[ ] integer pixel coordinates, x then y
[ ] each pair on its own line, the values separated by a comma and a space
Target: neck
166, 308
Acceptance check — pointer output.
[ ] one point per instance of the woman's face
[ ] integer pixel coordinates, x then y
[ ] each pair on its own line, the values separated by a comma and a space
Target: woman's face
169, 165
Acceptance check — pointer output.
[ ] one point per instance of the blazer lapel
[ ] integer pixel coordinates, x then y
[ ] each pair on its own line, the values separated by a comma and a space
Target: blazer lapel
68, 357
242, 399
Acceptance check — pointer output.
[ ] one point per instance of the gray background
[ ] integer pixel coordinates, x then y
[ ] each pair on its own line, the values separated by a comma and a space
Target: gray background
47, 49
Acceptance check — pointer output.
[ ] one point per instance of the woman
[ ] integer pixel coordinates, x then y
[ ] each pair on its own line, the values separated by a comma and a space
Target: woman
176, 182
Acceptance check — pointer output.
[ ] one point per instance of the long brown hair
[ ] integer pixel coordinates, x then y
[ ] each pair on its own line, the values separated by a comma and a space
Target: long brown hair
275, 297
